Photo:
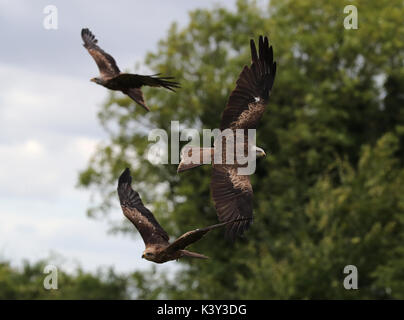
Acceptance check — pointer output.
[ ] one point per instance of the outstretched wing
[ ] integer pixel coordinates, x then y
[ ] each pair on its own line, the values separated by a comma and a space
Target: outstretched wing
248, 100
129, 80
106, 64
192, 236
133, 208
233, 198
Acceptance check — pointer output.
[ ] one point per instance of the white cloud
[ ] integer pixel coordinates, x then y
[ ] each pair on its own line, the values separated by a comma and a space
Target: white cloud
35, 231
32, 103
35, 168
48, 131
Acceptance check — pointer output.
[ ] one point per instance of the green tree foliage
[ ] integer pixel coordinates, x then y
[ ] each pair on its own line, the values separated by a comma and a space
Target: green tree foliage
330, 192
27, 283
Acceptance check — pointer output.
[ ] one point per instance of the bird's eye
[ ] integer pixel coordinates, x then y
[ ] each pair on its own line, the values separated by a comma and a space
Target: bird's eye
149, 254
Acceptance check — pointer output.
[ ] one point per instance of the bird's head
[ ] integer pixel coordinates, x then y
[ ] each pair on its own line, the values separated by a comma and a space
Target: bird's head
259, 152
148, 254
96, 80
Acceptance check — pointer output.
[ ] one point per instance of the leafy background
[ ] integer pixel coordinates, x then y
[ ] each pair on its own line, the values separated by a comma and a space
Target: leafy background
329, 194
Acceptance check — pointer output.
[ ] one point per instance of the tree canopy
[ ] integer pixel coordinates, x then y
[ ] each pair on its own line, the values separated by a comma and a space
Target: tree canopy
329, 194
27, 282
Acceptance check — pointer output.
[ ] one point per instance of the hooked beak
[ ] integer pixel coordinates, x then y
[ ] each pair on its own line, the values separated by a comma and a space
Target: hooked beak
260, 152
92, 79
143, 256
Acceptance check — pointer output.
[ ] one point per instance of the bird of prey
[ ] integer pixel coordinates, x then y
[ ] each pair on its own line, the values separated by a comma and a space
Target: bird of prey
112, 78
158, 249
232, 193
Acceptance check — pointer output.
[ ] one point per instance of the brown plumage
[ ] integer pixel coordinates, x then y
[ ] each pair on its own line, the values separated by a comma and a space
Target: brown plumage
112, 78
232, 193
158, 249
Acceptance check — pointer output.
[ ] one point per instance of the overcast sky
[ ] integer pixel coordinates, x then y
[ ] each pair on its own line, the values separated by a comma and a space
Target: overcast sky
48, 124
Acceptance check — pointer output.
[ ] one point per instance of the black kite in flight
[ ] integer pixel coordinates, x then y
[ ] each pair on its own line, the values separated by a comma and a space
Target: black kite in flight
112, 78
232, 193
158, 249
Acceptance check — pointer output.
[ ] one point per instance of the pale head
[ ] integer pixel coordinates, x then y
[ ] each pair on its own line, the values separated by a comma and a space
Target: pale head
96, 80
259, 152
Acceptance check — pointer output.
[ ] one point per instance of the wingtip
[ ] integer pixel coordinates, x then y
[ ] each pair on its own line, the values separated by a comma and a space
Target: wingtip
125, 177
85, 31
254, 56
263, 47
266, 41
145, 107
260, 40
88, 37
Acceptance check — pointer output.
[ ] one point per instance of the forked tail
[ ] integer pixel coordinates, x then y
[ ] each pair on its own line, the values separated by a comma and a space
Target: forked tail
186, 253
192, 157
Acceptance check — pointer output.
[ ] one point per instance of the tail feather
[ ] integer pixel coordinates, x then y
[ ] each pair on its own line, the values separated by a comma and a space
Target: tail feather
192, 157
166, 82
186, 166
186, 253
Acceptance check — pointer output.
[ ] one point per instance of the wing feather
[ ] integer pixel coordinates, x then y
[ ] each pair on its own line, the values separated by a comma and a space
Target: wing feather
105, 62
247, 101
133, 208
232, 195
129, 80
